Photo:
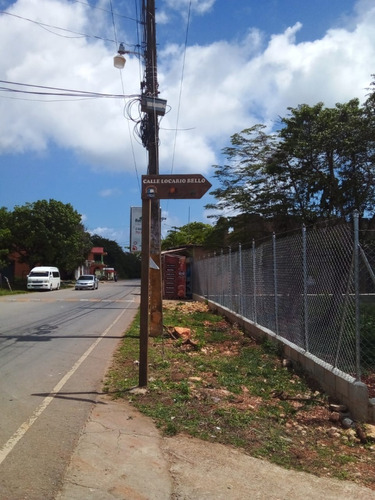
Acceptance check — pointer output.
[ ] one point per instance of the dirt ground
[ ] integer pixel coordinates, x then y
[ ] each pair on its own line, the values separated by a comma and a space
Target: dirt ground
211, 471
312, 428
122, 455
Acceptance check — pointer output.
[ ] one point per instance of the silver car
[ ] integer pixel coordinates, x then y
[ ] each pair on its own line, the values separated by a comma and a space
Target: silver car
86, 282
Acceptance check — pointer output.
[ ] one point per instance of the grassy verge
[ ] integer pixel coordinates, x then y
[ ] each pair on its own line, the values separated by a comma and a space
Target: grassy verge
4, 292
222, 386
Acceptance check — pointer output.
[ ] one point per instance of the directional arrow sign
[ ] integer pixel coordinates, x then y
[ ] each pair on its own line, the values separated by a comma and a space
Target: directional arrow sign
174, 187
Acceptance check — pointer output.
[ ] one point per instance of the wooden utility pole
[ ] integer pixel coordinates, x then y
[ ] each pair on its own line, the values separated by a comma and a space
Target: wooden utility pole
145, 294
151, 90
151, 312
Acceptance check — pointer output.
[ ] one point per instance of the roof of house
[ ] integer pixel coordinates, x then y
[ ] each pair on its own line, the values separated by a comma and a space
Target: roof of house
97, 250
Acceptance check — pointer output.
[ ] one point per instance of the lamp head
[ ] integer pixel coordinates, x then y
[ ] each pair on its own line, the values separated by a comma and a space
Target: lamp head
119, 59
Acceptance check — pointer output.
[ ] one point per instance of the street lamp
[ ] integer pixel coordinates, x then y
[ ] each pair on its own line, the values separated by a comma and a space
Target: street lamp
119, 59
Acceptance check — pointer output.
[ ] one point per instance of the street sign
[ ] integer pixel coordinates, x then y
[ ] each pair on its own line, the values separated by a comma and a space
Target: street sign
174, 187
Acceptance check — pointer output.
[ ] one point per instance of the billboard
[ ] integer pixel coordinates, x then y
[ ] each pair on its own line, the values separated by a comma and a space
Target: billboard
135, 229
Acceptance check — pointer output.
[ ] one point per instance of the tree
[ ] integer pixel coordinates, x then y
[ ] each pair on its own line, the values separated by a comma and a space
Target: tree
319, 165
127, 265
5, 236
246, 187
49, 233
369, 112
194, 233
326, 155
252, 194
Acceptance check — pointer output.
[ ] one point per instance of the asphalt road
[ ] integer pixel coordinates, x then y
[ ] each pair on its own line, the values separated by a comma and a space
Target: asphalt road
55, 348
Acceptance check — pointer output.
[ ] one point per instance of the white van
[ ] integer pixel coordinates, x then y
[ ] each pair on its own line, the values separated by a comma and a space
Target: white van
43, 278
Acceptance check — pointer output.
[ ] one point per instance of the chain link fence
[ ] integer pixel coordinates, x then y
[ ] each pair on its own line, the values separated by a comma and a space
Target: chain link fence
314, 288
367, 306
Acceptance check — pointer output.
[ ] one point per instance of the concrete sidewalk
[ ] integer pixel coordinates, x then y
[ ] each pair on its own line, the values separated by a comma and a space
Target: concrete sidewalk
121, 455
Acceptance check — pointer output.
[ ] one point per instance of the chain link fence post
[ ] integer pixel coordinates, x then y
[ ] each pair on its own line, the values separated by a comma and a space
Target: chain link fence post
356, 291
215, 278
230, 290
221, 267
240, 300
207, 280
275, 287
255, 283
305, 296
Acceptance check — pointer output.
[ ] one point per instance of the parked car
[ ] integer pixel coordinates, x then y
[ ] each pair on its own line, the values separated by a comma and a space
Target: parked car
87, 281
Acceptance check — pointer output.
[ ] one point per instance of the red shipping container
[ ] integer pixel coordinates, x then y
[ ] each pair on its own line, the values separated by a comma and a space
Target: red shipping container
174, 277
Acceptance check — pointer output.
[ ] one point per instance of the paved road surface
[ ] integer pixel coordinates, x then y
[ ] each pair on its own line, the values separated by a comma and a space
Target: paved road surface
54, 350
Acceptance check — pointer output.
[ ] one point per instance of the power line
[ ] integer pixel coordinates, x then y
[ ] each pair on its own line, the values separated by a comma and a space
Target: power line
50, 27
105, 10
56, 91
129, 105
181, 84
113, 23
45, 25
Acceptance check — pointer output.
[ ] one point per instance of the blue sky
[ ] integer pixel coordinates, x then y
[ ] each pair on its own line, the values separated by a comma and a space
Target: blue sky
246, 62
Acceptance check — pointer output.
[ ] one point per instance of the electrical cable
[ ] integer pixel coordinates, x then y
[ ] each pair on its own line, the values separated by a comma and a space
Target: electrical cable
105, 10
180, 93
78, 34
45, 26
138, 38
181, 85
56, 91
127, 107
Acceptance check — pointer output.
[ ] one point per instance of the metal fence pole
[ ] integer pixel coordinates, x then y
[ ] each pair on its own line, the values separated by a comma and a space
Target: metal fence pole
254, 283
214, 278
276, 301
222, 281
240, 300
230, 291
207, 278
305, 298
356, 288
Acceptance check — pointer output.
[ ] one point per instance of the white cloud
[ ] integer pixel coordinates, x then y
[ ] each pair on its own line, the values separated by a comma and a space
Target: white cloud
196, 6
333, 69
109, 192
122, 236
227, 86
92, 128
